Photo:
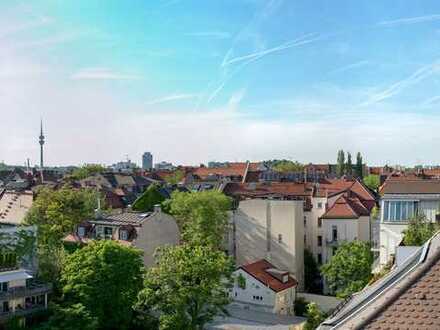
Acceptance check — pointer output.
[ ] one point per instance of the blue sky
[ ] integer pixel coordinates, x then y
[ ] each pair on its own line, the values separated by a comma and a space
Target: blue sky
193, 81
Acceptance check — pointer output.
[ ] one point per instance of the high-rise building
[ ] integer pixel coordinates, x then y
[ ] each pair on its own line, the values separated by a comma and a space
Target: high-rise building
147, 161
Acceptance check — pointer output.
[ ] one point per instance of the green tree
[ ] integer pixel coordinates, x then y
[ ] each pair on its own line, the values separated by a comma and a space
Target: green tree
287, 166
56, 213
372, 181
72, 317
150, 198
349, 165
87, 170
312, 275
340, 163
202, 216
188, 288
176, 177
105, 277
349, 270
419, 230
314, 316
359, 166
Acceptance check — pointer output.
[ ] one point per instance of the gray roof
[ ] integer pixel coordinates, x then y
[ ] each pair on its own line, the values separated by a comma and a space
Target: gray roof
411, 187
126, 218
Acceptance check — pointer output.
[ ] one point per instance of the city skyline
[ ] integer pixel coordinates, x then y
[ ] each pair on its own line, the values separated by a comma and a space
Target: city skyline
192, 81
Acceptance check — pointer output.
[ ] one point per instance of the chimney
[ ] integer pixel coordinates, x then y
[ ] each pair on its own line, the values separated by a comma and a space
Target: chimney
157, 208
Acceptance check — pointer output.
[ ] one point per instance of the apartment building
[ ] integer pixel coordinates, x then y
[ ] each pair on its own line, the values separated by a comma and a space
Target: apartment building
145, 231
278, 220
401, 199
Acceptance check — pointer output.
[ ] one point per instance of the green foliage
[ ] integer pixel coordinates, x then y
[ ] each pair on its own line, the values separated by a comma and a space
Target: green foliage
105, 277
312, 275
87, 170
340, 163
150, 198
202, 216
72, 317
349, 165
241, 282
300, 306
372, 181
314, 317
188, 288
176, 177
349, 270
419, 230
287, 166
359, 166
56, 213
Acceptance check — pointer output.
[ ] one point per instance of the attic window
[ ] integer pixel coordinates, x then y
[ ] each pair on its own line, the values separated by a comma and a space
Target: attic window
81, 231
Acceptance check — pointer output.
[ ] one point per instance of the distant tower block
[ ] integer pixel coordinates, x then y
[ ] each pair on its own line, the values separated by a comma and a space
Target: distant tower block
41, 147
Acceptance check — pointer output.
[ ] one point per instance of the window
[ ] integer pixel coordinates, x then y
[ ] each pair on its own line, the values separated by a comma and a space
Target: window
305, 221
334, 250
280, 238
108, 232
123, 235
319, 258
305, 239
4, 286
320, 205
399, 210
319, 240
81, 231
334, 233
319, 222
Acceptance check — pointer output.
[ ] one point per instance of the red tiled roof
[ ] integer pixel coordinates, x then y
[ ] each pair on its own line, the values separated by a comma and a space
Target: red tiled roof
346, 208
258, 270
285, 189
231, 169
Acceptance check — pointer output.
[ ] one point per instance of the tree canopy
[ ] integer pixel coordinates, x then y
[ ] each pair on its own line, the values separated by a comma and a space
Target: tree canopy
340, 163
314, 316
349, 165
202, 216
372, 181
150, 198
359, 166
87, 170
419, 230
349, 270
312, 276
72, 317
188, 288
104, 277
56, 213
287, 166
176, 177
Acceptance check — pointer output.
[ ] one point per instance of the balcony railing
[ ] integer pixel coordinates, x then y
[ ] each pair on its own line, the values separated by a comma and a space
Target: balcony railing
332, 242
32, 289
22, 311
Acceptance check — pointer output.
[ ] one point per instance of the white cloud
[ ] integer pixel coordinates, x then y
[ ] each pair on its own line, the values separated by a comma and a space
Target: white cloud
102, 74
172, 97
410, 20
210, 34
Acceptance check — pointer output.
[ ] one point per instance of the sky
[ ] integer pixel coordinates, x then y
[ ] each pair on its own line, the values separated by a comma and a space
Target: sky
193, 80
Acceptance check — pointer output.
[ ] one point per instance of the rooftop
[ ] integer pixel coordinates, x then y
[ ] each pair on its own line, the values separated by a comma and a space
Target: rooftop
406, 298
268, 274
14, 206
410, 187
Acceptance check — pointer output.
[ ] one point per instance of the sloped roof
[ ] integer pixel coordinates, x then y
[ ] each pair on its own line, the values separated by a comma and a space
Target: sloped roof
14, 206
262, 270
406, 298
411, 187
266, 189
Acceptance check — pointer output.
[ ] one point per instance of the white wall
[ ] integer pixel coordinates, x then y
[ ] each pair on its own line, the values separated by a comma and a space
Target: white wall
258, 224
253, 288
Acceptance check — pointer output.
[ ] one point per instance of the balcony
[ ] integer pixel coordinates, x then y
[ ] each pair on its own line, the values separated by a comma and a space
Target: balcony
33, 288
22, 311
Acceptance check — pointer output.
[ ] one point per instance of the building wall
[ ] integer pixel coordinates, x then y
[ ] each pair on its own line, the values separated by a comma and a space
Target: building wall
347, 230
158, 230
258, 226
313, 229
391, 233
280, 303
